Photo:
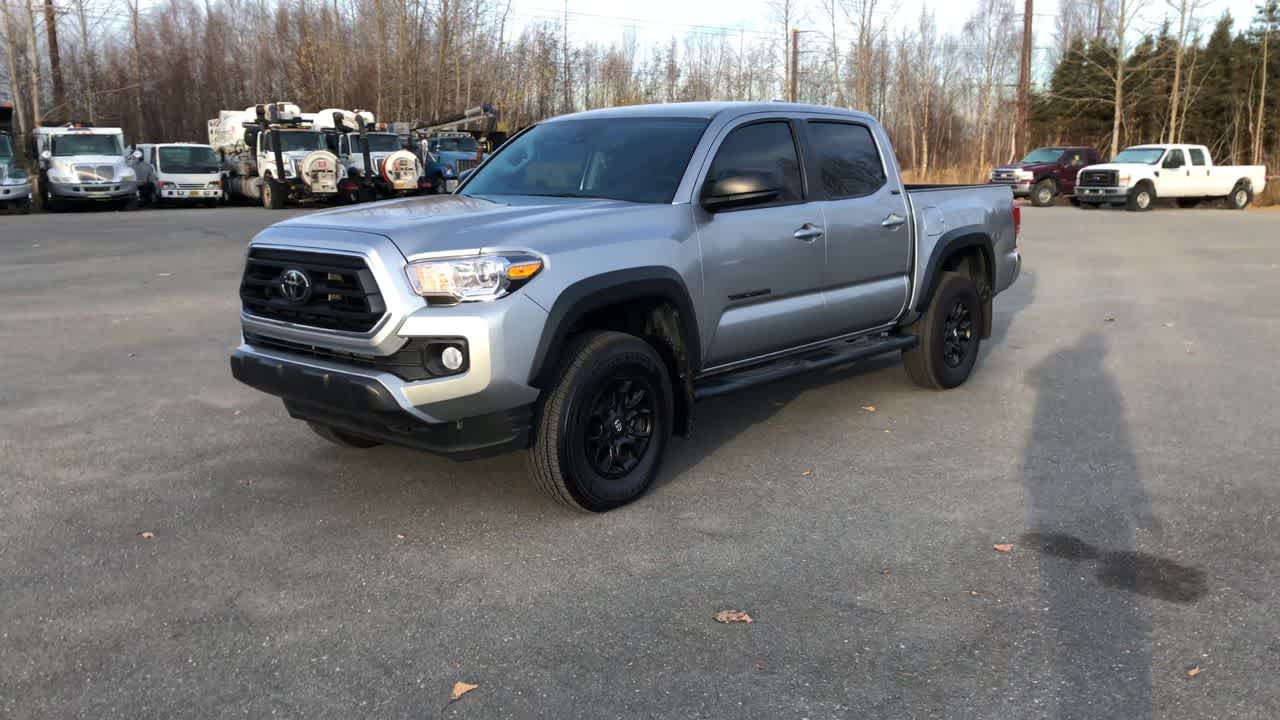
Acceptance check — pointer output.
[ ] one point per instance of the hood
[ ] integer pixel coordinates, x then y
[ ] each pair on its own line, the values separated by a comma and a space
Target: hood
1122, 167
458, 223
1033, 167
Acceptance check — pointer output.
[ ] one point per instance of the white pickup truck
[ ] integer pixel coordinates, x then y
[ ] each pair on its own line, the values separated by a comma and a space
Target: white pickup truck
1140, 174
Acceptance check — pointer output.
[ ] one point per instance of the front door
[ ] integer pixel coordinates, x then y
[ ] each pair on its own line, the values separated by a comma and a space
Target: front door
1174, 177
1071, 163
762, 264
865, 279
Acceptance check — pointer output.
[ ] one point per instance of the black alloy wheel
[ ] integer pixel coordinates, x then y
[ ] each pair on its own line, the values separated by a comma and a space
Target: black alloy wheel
618, 425
957, 334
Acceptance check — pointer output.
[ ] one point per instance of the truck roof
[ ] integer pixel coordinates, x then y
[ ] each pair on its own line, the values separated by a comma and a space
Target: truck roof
63, 130
709, 110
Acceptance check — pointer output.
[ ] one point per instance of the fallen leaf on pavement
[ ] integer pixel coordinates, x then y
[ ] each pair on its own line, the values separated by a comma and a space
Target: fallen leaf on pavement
399, 536
887, 571
460, 688
974, 593
1168, 324
733, 616
1193, 671
1110, 319
869, 408
1002, 547
146, 534
808, 472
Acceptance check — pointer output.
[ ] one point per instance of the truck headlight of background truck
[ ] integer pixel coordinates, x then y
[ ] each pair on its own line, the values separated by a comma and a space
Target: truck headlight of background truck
1025, 177
471, 279
61, 175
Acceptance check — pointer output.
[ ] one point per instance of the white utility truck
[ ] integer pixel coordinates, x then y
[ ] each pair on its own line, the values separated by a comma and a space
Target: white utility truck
370, 155
177, 173
1138, 175
272, 154
82, 163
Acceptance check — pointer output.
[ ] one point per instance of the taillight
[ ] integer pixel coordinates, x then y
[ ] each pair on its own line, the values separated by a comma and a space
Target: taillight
1017, 222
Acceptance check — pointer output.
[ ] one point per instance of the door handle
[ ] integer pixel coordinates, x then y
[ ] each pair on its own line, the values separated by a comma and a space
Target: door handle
893, 221
808, 232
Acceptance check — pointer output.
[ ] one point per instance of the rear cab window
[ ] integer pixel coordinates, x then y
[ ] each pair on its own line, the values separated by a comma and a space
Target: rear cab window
1197, 156
847, 158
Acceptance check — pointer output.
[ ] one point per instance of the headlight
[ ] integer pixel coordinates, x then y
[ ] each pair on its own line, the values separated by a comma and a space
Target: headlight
471, 279
168, 186
1026, 175
213, 184
448, 169
1124, 179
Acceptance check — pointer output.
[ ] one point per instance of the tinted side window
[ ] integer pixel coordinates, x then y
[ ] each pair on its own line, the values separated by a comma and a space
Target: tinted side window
1175, 159
1197, 156
848, 161
762, 148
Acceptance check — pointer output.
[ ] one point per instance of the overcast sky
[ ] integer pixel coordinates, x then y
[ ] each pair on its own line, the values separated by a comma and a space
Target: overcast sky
656, 20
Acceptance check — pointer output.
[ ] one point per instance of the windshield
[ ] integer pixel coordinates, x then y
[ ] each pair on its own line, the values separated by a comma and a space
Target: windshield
68, 145
188, 160
454, 144
378, 142
6, 147
1144, 156
632, 159
1043, 155
305, 140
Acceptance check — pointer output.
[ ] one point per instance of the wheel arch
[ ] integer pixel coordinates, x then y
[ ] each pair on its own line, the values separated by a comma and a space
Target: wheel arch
650, 302
962, 250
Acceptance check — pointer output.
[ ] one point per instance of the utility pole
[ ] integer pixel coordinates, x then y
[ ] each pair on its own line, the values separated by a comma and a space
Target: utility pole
795, 64
1024, 84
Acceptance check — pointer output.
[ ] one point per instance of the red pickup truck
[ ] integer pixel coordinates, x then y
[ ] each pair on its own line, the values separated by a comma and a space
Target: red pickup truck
1045, 172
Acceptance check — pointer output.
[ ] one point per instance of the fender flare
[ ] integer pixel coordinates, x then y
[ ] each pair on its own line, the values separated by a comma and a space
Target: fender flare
961, 238
598, 291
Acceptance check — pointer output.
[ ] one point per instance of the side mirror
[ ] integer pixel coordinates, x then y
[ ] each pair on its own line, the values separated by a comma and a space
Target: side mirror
46, 155
740, 189
137, 155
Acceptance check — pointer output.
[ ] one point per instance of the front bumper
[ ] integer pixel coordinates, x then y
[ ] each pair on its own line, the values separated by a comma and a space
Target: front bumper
114, 190
365, 406
14, 193
1109, 194
179, 194
1020, 188
500, 337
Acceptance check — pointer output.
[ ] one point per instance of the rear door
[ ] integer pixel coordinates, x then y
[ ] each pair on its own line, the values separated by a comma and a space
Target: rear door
761, 263
1201, 181
865, 276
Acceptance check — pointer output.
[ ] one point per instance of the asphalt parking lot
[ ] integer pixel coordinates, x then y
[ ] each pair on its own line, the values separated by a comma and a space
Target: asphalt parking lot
1122, 432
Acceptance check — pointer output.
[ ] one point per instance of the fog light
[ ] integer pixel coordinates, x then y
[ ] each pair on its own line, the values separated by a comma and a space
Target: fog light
451, 358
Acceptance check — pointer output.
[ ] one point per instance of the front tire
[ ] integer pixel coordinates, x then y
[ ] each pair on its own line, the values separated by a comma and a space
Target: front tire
605, 424
1141, 198
1043, 193
950, 332
272, 194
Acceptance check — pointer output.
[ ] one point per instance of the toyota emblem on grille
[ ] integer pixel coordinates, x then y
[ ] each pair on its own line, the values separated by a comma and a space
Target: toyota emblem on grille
295, 286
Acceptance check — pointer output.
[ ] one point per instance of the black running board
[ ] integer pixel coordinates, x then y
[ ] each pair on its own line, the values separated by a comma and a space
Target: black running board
838, 353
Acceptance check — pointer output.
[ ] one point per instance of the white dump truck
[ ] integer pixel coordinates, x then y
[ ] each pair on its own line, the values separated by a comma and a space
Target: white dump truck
83, 163
272, 153
373, 157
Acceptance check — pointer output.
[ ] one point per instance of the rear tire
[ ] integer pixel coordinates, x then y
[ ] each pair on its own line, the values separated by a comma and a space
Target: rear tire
1043, 192
950, 333
339, 437
1141, 197
1240, 197
605, 424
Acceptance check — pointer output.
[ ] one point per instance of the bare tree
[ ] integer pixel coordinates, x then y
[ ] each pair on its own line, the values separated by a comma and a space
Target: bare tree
1186, 10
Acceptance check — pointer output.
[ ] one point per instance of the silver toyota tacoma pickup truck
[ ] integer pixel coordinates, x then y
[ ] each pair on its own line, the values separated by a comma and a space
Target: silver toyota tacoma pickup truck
601, 272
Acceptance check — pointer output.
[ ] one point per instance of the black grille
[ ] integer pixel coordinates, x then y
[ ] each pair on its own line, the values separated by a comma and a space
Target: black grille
1103, 178
407, 363
343, 294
